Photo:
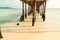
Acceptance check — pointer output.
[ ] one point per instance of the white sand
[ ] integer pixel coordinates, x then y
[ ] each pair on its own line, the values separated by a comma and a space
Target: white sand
32, 36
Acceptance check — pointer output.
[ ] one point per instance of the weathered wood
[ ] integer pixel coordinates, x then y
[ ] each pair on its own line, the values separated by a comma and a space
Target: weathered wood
34, 13
22, 16
44, 7
31, 2
43, 13
35, 4
22, 7
0, 33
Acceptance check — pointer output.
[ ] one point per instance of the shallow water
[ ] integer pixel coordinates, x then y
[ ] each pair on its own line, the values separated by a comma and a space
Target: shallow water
52, 19
8, 15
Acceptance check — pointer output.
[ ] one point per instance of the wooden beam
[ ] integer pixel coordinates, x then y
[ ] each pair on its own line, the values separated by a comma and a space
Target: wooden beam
22, 16
28, 8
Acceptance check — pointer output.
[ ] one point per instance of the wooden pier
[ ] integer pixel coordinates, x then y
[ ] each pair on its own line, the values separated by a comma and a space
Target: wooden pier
34, 5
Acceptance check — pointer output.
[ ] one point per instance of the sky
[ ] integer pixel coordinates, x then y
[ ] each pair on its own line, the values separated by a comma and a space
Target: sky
17, 3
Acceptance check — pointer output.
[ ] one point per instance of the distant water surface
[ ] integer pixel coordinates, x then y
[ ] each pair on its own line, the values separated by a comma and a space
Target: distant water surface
8, 15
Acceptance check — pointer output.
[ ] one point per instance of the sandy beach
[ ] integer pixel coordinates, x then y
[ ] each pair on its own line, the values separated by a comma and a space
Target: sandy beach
32, 36
48, 30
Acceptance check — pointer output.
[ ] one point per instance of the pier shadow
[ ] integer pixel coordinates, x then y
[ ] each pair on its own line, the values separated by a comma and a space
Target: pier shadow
28, 28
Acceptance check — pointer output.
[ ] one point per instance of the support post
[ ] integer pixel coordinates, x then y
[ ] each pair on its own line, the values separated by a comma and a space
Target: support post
40, 12
34, 13
22, 16
37, 9
0, 33
44, 8
25, 10
29, 10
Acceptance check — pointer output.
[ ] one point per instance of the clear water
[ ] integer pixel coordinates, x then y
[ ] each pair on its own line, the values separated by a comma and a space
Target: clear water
8, 15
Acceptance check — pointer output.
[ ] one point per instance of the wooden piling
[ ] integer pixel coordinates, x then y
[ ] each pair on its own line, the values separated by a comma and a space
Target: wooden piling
44, 7
33, 4
34, 13
22, 16
23, 9
0, 33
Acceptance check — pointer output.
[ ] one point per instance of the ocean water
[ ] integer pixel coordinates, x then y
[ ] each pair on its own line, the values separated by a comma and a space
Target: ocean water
9, 15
